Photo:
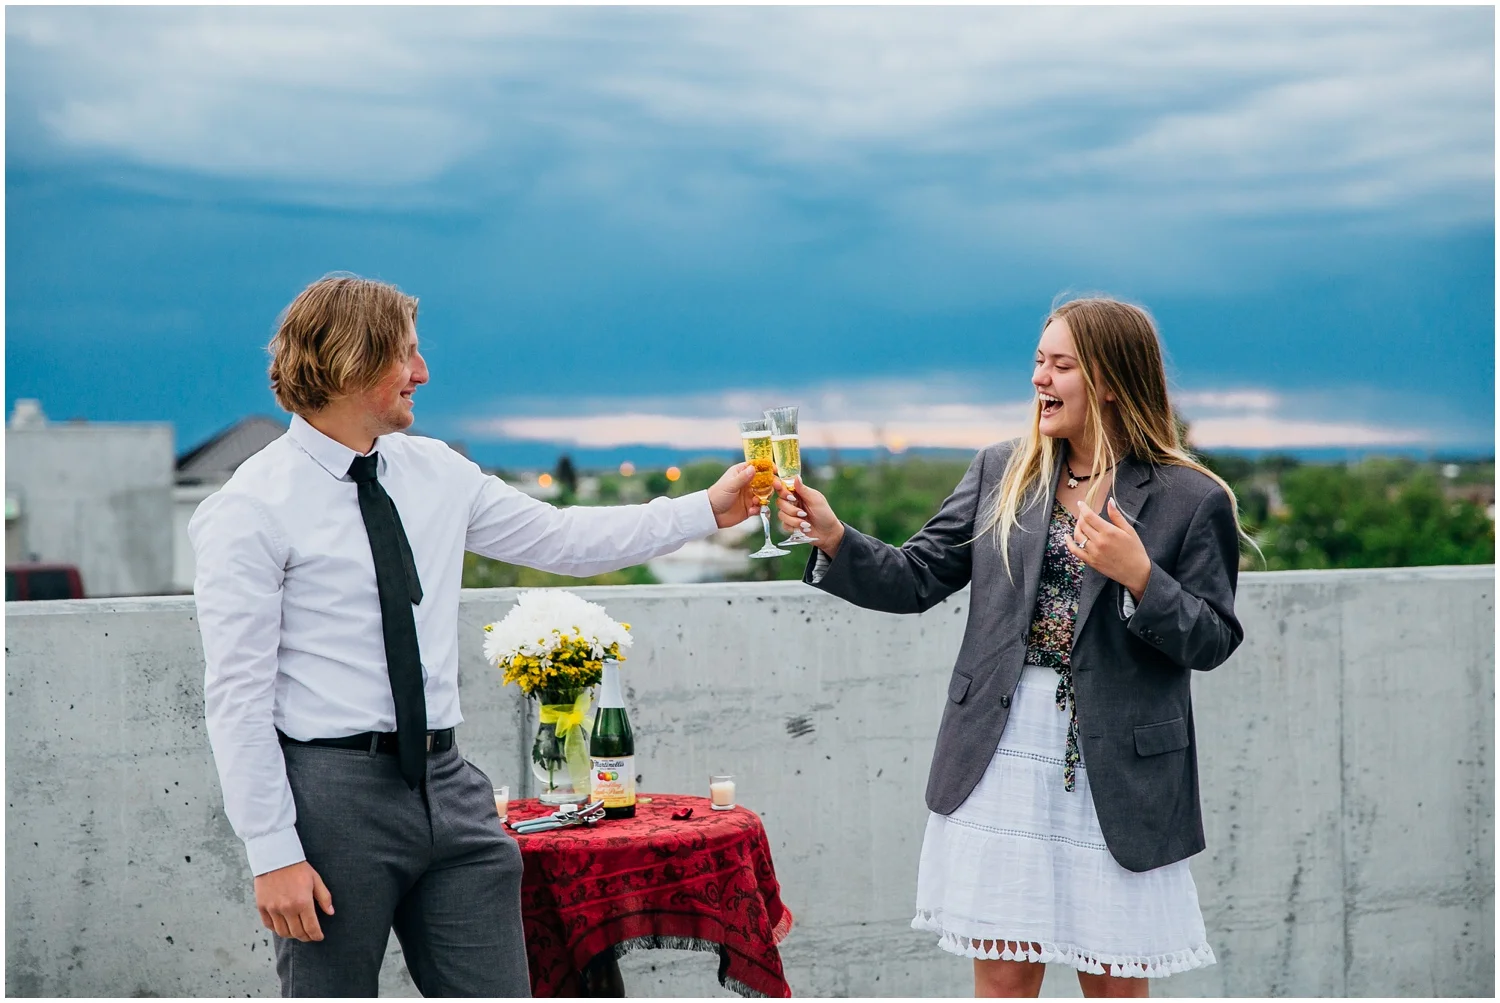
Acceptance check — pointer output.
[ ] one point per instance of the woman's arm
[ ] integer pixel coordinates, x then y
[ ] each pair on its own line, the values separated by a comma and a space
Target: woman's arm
1190, 617
916, 576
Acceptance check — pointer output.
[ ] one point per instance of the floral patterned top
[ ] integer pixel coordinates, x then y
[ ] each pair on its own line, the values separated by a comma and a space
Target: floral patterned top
1050, 639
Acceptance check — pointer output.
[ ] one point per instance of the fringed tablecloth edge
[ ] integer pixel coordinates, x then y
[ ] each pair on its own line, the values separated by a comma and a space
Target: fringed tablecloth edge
783, 926
659, 942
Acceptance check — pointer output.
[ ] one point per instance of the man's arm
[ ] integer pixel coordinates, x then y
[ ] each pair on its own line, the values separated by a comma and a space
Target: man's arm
240, 560
583, 540
240, 563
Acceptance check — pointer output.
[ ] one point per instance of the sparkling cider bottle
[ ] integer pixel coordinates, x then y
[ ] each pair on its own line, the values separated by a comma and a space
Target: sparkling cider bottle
612, 750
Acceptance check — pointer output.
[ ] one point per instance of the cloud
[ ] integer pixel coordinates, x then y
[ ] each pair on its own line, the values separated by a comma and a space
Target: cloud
1178, 113
943, 411
1266, 431
1219, 400
315, 95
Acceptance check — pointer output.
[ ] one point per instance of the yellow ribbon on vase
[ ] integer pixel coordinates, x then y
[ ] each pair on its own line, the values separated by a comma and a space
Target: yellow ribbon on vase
567, 722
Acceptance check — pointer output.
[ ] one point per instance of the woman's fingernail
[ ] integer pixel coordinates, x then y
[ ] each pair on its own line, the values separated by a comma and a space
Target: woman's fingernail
807, 525
801, 514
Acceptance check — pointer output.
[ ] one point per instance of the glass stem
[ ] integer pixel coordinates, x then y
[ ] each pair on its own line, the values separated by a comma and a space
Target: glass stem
765, 524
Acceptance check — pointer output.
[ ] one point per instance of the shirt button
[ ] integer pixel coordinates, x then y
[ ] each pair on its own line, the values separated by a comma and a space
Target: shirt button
1005, 700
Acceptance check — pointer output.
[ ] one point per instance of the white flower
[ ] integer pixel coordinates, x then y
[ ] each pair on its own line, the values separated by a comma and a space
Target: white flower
534, 623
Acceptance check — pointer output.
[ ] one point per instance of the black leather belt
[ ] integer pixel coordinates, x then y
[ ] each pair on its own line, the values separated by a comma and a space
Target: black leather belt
381, 741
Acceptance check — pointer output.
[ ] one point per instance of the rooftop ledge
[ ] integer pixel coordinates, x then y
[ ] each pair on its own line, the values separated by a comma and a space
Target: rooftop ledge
603, 593
1345, 768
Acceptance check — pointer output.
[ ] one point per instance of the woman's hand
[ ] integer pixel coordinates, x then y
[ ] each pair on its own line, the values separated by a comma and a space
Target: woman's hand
1111, 547
805, 508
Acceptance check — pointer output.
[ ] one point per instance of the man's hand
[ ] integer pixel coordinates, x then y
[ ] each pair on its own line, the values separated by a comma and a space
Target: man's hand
806, 509
1111, 547
285, 900
731, 498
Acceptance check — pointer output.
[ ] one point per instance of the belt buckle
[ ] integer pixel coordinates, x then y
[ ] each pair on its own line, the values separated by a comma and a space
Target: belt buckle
429, 741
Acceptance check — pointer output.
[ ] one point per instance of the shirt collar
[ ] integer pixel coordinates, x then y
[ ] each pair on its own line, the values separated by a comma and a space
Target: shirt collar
331, 454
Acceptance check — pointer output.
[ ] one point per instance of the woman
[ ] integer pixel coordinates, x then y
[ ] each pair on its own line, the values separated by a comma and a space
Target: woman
1064, 785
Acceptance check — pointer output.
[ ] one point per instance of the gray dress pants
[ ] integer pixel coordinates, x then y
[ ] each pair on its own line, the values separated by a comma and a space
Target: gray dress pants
432, 863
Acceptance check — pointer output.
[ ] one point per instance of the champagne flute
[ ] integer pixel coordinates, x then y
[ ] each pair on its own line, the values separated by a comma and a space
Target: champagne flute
756, 438
786, 451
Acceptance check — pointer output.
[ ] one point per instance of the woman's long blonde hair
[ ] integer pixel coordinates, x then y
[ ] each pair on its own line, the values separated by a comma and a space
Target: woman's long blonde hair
1118, 348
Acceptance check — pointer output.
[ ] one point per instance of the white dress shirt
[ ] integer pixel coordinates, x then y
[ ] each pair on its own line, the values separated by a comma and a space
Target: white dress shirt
290, 617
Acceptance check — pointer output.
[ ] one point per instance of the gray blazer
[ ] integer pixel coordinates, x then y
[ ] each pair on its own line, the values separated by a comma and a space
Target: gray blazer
1130, 676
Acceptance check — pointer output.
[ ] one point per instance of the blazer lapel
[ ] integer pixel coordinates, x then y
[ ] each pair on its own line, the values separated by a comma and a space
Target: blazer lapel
1131, 494
1030, 547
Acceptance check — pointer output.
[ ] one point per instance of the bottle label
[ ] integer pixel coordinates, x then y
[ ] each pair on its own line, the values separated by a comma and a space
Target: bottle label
613, 781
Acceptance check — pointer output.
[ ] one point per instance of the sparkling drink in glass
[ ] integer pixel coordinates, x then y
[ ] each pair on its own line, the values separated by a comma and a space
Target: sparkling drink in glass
786, 452
755, 436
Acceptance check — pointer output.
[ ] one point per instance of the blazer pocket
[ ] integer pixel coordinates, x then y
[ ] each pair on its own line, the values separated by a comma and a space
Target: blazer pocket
958, 687
1156, 739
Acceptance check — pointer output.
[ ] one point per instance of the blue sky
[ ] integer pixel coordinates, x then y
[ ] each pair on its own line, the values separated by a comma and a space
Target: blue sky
636, 225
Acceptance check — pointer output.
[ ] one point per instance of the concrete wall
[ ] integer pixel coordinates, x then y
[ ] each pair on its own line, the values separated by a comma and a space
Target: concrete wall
1346, 758
98, 496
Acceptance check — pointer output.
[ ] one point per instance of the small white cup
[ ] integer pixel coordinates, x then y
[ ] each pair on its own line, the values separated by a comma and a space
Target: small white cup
502, 802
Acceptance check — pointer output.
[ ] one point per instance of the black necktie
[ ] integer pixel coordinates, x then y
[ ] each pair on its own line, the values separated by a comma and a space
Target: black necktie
398, 586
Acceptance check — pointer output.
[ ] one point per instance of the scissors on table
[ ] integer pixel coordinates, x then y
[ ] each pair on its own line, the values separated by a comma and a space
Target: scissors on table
566, 815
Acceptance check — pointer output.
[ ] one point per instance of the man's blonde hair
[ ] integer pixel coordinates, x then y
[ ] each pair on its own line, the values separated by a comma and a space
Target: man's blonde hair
338, 337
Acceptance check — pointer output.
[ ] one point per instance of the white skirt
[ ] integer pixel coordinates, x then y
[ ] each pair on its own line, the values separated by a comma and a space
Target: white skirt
1020, 871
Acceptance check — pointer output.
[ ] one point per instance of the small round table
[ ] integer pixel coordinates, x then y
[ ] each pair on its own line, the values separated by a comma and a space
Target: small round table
592, 894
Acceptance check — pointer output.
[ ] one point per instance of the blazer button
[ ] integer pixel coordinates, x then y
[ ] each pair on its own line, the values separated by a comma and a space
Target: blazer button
1005, 700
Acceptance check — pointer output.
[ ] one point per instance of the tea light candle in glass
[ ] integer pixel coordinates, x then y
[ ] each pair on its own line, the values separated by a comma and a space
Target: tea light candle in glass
721, 791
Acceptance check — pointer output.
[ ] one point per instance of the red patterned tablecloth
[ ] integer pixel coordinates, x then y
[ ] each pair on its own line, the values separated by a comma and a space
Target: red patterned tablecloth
701, 884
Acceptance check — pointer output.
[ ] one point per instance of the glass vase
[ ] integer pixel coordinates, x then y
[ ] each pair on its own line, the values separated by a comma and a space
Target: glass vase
560, 751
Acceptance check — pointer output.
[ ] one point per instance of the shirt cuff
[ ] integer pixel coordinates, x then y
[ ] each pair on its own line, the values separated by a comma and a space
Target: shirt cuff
820, 566
274, 850
1128, 605
695, 514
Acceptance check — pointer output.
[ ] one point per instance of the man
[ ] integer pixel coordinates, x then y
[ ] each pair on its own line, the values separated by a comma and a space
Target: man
328, 573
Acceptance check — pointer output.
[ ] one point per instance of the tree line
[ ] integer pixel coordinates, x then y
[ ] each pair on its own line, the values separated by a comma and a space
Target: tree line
1373, 513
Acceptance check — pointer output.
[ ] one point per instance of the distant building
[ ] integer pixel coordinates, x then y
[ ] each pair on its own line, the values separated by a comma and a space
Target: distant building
723, 556
205, 468
537, 484
213, 461
202, 470
96, 495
